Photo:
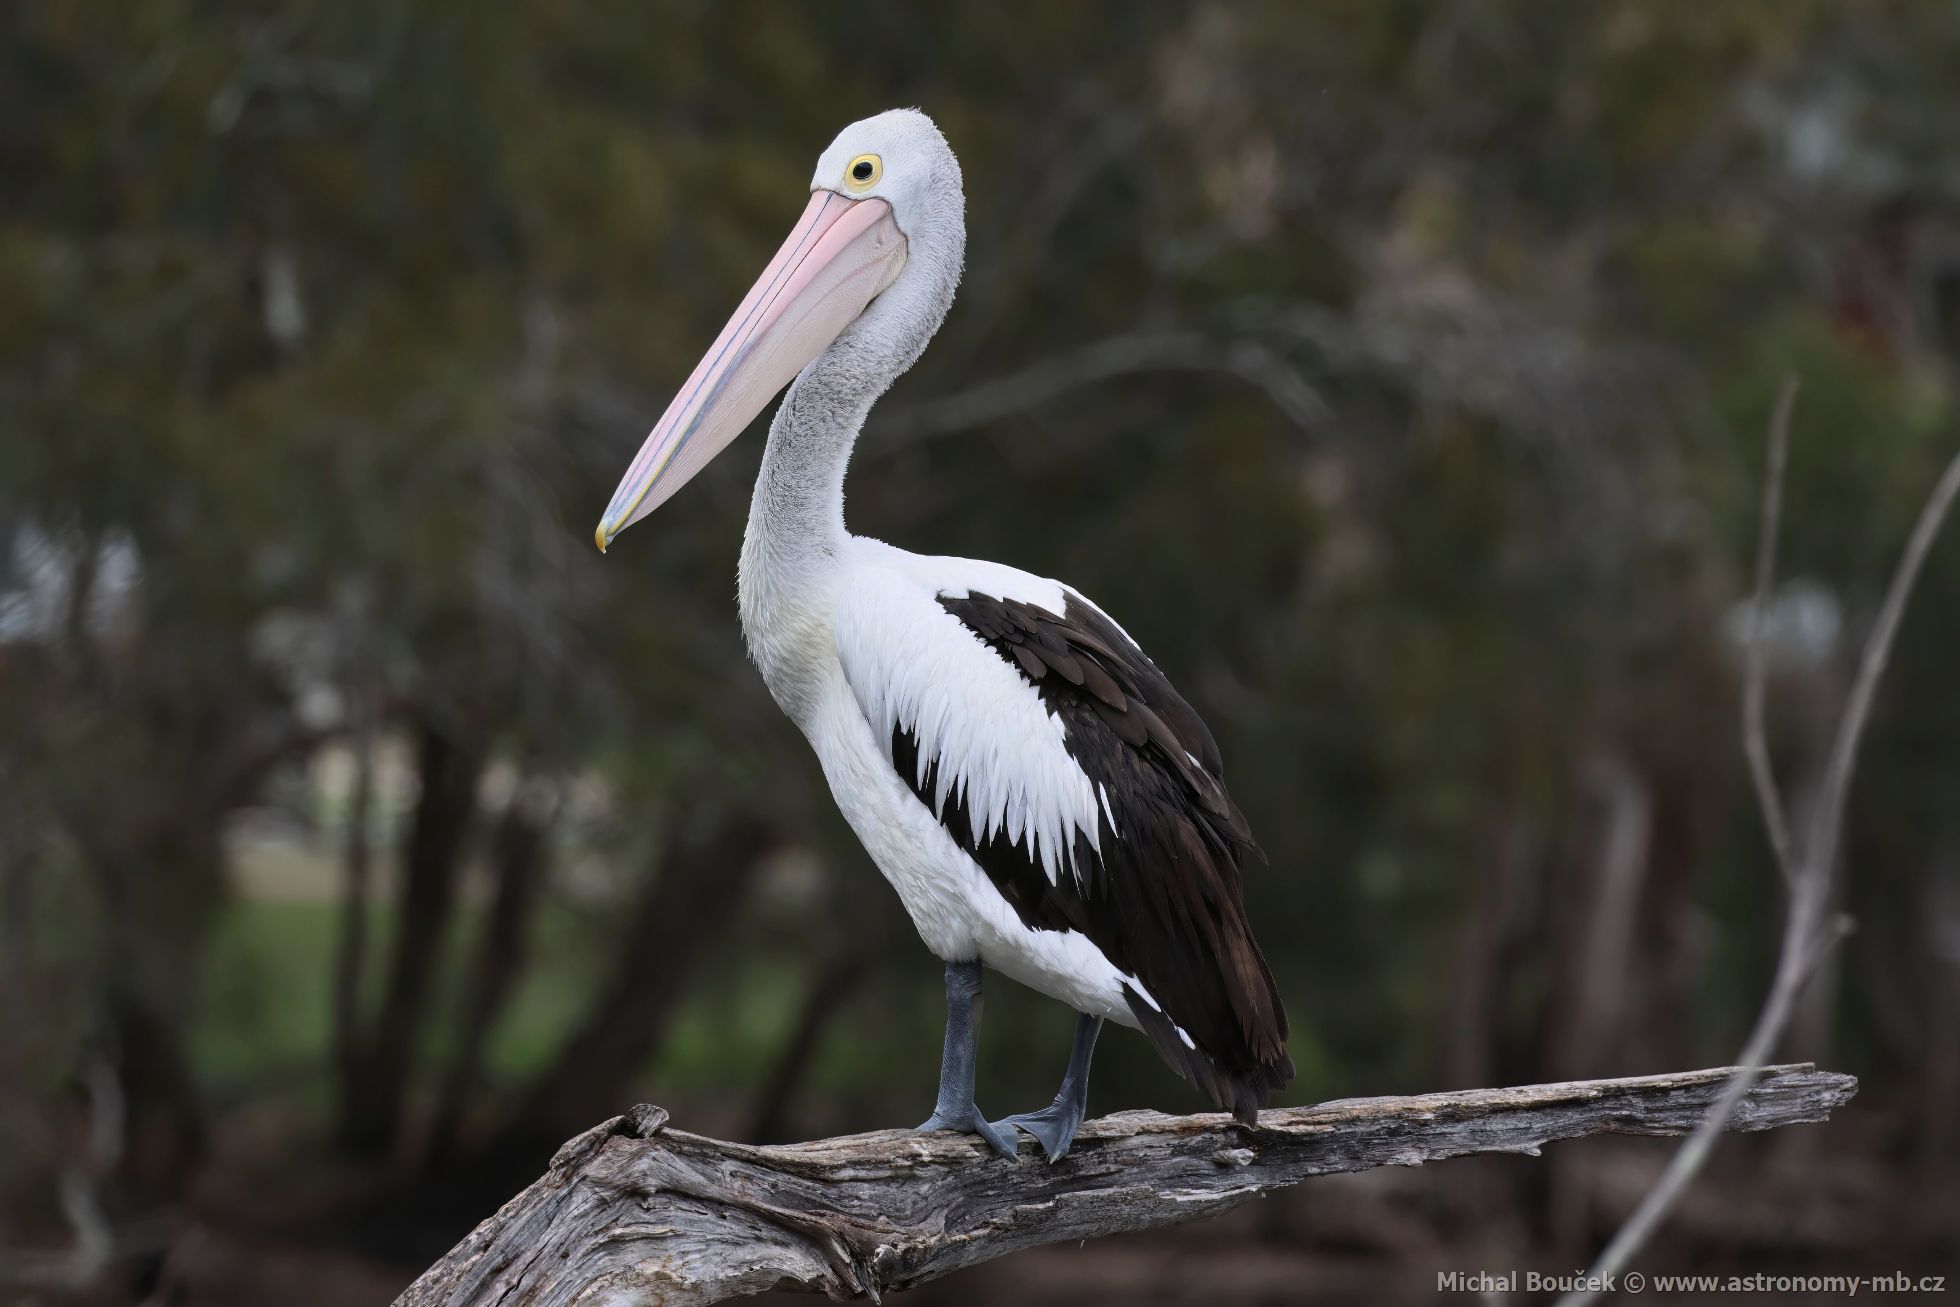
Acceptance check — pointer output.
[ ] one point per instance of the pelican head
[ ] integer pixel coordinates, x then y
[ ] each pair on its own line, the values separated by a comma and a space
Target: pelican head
885, 226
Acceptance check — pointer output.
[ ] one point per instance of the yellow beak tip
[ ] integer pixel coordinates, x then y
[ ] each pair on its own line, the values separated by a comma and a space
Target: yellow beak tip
600, 538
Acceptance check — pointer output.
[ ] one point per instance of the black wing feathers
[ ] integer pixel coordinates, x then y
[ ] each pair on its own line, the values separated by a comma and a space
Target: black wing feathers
1163, 899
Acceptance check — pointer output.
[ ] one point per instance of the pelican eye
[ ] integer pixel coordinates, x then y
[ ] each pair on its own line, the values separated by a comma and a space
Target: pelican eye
864, 172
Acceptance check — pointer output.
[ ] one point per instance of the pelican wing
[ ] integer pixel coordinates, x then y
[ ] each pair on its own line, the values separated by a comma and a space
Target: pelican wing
1064, 763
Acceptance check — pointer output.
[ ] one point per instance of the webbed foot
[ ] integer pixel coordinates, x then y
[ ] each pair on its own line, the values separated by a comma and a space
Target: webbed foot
1053, 1127
970, 1120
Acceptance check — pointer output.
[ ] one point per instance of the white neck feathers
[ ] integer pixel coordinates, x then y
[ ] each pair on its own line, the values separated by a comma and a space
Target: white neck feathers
796, 535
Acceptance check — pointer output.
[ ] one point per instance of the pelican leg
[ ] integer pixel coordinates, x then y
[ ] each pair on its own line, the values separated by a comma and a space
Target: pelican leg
955, 1109
1054, 1126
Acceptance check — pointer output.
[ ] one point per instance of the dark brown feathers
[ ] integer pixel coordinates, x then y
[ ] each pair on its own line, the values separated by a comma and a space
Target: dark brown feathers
1162, 899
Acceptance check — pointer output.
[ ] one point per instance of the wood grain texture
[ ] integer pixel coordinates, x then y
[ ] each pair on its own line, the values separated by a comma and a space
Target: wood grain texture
633, 1212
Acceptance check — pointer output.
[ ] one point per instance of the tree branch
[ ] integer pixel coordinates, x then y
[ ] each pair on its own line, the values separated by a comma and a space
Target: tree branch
1123, 355
1755, 738
1808, 867
632, 1212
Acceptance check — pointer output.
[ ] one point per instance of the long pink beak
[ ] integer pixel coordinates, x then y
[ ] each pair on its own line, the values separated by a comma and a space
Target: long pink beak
842, 253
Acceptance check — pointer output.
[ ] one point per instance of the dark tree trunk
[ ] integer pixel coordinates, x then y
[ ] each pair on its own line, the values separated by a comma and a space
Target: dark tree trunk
357, 875
828, 990
158, 910
450, 762
16, 903
520, 862
164, 1132
1473, 1016
691, 896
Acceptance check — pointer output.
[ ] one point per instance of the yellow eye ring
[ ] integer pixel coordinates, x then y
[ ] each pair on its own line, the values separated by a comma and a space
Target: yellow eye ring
863, 172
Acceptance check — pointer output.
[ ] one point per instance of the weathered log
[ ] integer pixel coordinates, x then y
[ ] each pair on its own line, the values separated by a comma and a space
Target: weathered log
633, 1212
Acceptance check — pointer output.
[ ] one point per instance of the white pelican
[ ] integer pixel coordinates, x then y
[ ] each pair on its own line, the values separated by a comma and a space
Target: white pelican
1042, 800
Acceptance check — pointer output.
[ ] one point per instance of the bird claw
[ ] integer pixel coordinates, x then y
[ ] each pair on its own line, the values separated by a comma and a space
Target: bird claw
1053, 1127
969, 1120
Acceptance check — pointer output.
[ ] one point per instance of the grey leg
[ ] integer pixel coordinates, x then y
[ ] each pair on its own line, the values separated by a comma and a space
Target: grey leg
1054, 1126
955, 1109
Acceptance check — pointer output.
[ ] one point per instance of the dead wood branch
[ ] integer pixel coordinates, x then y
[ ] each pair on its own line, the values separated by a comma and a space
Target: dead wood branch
632, 1212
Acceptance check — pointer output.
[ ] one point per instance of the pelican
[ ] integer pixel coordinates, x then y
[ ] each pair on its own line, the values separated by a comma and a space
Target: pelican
1042, 800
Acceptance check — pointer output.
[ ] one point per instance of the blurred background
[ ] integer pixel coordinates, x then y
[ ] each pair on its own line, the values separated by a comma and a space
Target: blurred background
1397, 373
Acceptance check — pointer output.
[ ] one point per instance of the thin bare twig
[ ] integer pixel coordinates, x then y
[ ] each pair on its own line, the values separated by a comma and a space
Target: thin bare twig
1807, 936
1755, 739
1829, 821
